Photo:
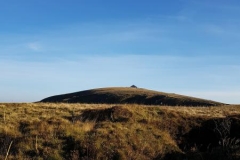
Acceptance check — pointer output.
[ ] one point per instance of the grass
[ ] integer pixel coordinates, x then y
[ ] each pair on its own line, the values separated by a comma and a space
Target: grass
101, 131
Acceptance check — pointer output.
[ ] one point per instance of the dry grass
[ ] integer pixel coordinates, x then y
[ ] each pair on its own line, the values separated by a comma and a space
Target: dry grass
54, 131
213, 112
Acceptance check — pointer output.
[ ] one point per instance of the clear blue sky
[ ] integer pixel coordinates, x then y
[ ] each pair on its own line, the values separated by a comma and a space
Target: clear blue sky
51, 47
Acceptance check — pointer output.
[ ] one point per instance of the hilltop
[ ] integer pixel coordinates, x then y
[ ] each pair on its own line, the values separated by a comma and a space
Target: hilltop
129, 95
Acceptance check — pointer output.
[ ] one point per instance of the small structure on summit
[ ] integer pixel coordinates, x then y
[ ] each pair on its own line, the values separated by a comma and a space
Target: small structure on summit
133, 86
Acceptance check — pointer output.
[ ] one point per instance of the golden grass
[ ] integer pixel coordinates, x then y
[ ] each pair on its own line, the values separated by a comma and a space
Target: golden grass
52, 131
221, 111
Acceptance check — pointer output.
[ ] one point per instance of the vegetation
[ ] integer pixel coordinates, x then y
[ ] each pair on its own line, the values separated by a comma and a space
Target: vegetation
129, 95
103, 131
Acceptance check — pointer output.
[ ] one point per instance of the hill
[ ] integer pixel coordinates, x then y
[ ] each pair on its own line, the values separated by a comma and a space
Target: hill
129, 95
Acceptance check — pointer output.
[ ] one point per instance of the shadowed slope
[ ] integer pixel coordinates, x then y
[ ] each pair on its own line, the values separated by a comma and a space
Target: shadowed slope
129, 95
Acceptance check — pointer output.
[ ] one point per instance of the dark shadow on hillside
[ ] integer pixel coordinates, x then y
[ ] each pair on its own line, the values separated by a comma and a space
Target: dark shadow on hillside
113, 114
217, 138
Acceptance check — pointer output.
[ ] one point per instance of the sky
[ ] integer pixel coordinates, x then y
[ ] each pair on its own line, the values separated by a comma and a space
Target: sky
188, 47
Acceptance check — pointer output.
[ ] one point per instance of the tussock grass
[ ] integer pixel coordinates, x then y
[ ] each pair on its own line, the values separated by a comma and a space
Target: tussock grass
124, 131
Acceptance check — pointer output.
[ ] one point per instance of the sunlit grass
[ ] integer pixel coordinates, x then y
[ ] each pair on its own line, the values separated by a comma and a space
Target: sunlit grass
54, 131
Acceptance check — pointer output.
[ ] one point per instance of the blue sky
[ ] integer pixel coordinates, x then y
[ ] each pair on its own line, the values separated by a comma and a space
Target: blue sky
188, 47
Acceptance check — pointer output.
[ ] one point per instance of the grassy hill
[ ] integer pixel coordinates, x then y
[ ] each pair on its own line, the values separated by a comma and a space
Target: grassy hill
129, 95
102, 131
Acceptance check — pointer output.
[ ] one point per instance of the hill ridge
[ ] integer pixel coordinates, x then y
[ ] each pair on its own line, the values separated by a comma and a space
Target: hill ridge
129, 95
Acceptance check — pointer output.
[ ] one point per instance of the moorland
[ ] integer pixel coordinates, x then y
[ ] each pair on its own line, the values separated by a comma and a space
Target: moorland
120, 131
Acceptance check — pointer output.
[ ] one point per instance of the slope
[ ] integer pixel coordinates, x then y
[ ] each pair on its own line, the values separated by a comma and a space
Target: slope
129, 95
